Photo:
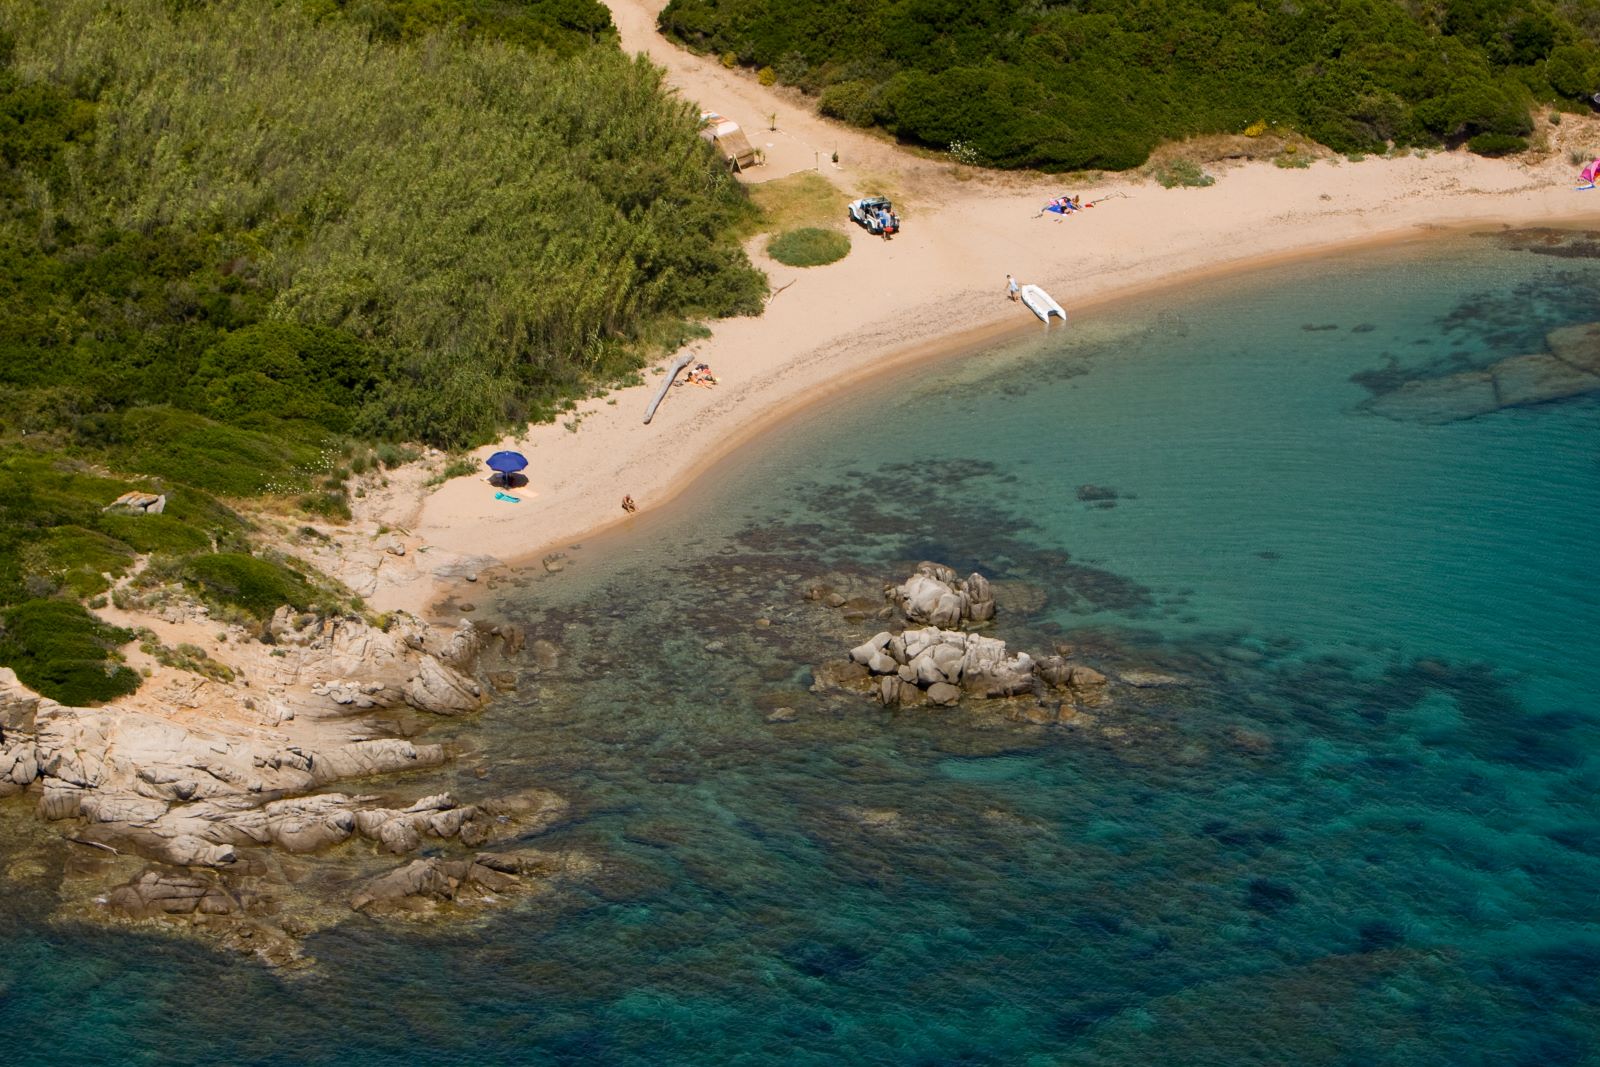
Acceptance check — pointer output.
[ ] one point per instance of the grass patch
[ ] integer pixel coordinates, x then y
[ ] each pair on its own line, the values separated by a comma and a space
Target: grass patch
328, 504
76, 560
459, 467
797, 201
54, 533
809, 247
61, 651
1181, 174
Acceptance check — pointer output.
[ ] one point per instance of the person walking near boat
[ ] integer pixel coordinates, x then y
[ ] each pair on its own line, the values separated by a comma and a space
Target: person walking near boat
1012, 289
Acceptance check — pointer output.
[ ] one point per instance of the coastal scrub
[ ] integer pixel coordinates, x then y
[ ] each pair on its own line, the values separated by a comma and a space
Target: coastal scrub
809, 247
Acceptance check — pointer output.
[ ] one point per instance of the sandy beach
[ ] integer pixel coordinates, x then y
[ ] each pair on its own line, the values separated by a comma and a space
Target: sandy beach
937, 287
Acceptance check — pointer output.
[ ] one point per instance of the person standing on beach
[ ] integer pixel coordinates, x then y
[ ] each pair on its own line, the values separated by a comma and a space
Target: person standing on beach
1011, 288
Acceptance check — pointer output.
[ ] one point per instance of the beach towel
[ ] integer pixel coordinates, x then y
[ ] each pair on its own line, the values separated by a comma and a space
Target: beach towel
508, 498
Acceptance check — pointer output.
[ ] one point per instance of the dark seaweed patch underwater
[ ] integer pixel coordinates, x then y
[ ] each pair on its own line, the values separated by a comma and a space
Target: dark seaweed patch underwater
1363, 831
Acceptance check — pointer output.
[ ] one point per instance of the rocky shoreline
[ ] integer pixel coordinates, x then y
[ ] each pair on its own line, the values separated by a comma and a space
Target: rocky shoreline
193, 797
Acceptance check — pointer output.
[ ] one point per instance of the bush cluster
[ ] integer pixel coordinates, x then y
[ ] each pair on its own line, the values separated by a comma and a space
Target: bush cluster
1098, 83
808, 247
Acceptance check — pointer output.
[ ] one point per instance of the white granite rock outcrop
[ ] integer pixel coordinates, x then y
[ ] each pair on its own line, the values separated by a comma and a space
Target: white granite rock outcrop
940, 666
935, 596
19, 753
190, 781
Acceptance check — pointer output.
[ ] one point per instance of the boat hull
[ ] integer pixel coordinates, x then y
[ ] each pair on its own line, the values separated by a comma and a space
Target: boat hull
1042, 304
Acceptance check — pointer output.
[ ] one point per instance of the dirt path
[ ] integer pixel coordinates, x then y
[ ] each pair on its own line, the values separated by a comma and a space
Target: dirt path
801, 141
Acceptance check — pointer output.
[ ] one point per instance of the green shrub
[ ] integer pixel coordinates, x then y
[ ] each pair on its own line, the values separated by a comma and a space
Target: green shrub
329, 503
1097, 85
193, 450
285, 371
458, 467
185, 657
808, 247
1497, 144
391, 455
257, 586
61, 651
856, 102
562, 26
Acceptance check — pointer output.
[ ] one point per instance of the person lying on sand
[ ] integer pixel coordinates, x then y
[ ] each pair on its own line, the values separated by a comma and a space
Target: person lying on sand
628, 505
700, 374
1064, 205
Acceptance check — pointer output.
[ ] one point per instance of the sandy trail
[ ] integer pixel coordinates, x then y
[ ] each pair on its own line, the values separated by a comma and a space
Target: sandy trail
937, 287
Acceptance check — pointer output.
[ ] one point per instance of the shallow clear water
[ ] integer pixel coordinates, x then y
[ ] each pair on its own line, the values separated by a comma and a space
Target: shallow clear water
1366, 832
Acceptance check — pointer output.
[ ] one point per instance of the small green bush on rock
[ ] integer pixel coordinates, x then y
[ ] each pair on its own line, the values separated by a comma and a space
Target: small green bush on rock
808, 247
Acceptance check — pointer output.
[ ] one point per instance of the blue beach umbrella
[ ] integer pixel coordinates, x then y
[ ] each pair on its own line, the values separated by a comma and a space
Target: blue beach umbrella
507, 462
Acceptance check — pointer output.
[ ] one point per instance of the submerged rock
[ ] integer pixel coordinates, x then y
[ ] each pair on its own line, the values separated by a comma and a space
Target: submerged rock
1147, 679
422, 886
164, 892
1570, 368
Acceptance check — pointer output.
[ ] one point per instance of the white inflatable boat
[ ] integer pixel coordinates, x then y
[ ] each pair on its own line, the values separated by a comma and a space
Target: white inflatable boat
1042, 304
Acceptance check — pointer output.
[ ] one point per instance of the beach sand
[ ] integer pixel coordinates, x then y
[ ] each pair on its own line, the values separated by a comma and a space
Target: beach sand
936, 288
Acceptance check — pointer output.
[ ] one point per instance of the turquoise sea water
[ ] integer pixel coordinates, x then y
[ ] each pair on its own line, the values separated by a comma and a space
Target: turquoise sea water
1366, 832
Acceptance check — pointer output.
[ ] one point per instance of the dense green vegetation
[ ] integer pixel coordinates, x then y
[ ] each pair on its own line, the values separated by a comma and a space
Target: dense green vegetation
59, 649
809, 246
1098, 83
415, 242
259, 586
248, 246
564, 27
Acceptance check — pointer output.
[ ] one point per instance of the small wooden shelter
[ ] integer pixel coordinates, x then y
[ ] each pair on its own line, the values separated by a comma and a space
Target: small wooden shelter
729, 139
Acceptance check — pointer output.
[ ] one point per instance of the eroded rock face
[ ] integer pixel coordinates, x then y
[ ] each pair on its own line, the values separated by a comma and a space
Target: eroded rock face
442, 690
19, 753
196, 778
